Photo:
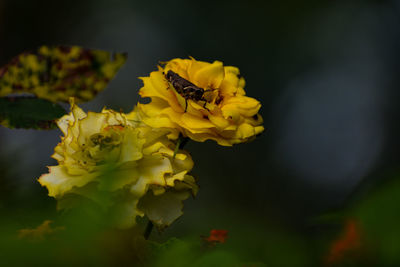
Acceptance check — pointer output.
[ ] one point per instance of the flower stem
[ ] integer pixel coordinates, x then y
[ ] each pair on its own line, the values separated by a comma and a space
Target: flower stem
148, 230
182, 141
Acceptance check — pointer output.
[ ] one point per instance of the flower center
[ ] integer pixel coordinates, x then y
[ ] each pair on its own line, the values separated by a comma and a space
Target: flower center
103, 147
106, 140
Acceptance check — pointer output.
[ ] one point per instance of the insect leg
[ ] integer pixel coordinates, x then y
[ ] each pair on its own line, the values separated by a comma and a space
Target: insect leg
186, 102
205, 103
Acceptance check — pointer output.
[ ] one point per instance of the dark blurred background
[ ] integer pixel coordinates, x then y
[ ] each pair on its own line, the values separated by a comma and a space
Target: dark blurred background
326, 73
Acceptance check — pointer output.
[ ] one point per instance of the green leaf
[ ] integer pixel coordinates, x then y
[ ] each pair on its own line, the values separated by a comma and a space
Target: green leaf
174, 252
379, 215
29, 112
162, 210
59, 72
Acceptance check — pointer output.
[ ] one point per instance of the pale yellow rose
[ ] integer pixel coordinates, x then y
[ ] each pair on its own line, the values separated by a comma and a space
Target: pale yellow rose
225, 114
118, 161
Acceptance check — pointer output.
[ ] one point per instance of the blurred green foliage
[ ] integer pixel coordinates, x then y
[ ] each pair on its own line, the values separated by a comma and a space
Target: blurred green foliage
375, 240
29, 112
379, 216
83, 236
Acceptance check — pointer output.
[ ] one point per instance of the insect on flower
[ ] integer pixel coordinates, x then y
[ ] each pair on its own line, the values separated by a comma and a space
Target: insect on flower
212, 93
186, 89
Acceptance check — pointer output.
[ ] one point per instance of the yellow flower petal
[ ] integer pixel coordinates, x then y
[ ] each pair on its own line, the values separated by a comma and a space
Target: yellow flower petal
194, 122
157, 85
219, 121
114, 159
210, 76
58, 181
201, 115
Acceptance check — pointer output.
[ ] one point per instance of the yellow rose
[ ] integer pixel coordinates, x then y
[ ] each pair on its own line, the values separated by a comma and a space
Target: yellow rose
215, 108
123, 165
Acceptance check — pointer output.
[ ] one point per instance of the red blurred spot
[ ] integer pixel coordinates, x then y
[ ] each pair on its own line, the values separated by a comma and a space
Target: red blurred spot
114, 127
217, 236
349, 243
